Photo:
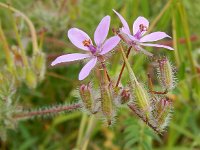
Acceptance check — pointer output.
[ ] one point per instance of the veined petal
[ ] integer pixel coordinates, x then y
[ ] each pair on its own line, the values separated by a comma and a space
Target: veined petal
155, 36
102, 30
125, 27
85, 71
136, 25
110, 44
77, 37
157, 45
69, 57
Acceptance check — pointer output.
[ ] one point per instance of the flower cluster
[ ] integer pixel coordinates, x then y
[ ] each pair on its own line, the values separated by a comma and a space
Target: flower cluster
151, 106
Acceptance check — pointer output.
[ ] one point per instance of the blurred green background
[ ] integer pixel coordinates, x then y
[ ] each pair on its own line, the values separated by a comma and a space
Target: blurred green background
52, 19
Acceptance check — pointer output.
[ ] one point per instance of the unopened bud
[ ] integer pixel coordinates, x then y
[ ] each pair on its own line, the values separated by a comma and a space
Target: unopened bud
17, 56
31, 79
125, 96
39, 64
86, 96
20, 72
163, 110
106, 98
166, 74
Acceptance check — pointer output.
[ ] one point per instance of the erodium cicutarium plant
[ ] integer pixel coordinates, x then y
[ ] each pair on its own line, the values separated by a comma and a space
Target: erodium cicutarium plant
99, 93
153, 107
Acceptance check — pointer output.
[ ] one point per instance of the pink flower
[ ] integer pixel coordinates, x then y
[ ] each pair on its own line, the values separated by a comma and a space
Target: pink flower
93, 52
138, 39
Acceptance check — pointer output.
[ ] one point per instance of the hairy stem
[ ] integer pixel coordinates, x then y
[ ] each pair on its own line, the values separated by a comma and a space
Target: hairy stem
123, 66
151, 87
132, 107
53, 110
105, 70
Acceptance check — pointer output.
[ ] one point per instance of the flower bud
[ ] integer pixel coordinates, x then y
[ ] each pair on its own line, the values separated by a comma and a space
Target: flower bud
163, 111
31, 79
86, 96
166, 74
39, 64
20, 72
106, 98
120, 96
125, 96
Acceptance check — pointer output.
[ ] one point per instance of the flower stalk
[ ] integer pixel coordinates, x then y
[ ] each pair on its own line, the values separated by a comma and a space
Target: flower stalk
123, 66
49, 111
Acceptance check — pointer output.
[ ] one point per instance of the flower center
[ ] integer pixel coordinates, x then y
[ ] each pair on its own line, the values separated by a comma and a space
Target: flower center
91, 47
142, 28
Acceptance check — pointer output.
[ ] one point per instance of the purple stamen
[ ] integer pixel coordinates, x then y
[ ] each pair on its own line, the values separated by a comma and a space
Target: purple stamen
91, 47
138, 35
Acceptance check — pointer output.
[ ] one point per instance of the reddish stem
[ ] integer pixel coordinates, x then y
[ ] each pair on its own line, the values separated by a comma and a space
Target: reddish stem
48, 111
106, 72
123, 66
132, 107
151, 87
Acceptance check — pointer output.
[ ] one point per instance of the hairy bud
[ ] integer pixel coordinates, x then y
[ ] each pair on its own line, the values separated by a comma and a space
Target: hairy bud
39, 64
86, 96
166, 74
106, 98
31, 79
125, 96
163, 108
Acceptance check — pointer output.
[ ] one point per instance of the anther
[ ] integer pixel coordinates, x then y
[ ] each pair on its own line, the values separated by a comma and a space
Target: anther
86, 42
142, 27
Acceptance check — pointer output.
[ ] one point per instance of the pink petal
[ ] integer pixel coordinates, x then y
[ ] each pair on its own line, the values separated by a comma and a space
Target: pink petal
77, 37
155, 36
110, 44
157, 45
125, 27
85, 71
136, 25
102, 30
69, 57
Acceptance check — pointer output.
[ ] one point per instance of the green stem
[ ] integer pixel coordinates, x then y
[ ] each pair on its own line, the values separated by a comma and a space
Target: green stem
88, 132
81, 130
184, 19
28, 21
5, 47
122, 69
174, 26
23, 54
187, 34
128, 66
